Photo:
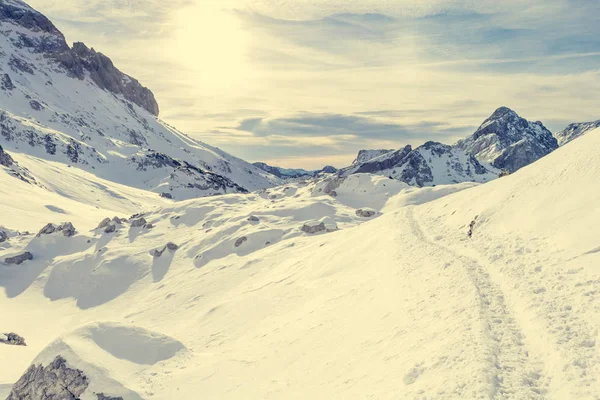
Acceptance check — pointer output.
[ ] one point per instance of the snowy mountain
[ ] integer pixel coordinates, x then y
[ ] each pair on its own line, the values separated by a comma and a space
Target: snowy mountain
286, 173
428, 165
73, 106
574, 131
509, 142
367, 155
381, 291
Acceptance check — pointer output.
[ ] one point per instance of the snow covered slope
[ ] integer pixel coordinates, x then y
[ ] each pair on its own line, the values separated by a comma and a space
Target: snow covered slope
507, 141
428, 165
246, 303
573, 131
71, 105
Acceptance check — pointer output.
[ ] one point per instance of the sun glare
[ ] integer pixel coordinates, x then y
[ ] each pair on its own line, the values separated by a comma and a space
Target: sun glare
210, 42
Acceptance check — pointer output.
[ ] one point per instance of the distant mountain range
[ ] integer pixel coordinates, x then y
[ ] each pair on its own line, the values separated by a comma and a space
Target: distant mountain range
287, 173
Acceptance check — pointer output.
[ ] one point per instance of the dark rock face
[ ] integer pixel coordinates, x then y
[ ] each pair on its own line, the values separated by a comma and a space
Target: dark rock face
12, 339
3, 236
5, 159
573, 131
53, 382
20, 259
110, 228
328, 169
47, 230
6, 83
172, 246
507, 141
103, 72
19, 65
166, 195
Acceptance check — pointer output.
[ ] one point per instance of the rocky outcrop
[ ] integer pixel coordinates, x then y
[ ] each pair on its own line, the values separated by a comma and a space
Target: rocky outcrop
20, 259
104, 223
324, 225
366, 212
5, 159
12, 339
507, 141
3, 236
56, 381
66, 228
574, 131
170, 246
138, 223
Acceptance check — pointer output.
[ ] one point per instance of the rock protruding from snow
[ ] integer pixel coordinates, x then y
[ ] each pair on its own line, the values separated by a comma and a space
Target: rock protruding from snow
56, 381
5, 159
66, 228
325, 224
138, 223
3, 236
12, 339
507, 141
366, 212
574, 131
104, 223
19, 259
240, 241
110, 228
253, 218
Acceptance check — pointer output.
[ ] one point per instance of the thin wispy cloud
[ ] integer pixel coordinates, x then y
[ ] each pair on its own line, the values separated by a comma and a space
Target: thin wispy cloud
264, 79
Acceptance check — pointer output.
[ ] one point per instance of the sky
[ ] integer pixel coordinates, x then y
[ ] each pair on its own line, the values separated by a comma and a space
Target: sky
306, 83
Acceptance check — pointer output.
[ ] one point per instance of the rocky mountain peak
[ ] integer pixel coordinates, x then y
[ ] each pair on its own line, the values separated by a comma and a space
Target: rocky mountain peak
44, 37
507, 141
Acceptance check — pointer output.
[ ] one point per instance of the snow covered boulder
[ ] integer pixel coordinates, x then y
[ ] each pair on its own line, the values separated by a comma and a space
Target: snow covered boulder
12, 339
55, 381
138, 223
67, 229
20, 259
47, 230
366, 212
104, 223
326, 224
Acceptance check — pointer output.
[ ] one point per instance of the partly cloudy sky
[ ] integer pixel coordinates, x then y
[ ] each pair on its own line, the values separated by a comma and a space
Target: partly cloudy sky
307, 83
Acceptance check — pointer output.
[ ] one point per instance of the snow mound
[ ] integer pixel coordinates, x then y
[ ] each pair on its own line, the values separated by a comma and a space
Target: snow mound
109, 354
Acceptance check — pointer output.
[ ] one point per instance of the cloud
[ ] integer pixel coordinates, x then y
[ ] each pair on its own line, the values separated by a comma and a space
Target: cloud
303, 80
339, 125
